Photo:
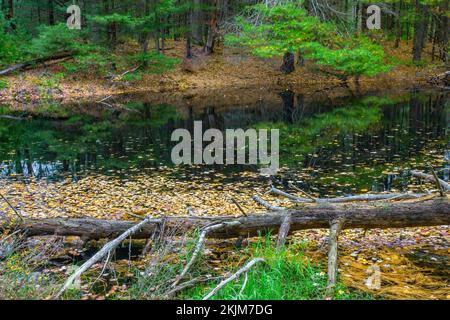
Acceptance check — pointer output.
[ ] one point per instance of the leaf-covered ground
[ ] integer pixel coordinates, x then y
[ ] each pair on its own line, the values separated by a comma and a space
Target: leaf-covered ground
414, 262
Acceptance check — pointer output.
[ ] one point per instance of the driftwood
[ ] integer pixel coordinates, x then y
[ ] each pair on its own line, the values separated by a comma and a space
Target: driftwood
377, 215
31, 63
363, 197
266, 204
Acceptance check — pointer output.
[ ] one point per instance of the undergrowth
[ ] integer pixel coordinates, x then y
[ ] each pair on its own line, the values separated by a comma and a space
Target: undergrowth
26, 273
286, 275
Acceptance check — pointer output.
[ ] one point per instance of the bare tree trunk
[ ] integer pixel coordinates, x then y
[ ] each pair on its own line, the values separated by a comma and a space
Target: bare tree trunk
399, 24
360, 17
11, 10
300, 59
212, 25
51, 12
196, 23
420, 27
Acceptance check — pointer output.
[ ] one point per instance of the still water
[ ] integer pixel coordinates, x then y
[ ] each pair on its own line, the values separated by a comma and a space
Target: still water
343, 145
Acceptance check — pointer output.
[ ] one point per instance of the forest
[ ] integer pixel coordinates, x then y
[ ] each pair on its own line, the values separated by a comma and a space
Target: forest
119, 179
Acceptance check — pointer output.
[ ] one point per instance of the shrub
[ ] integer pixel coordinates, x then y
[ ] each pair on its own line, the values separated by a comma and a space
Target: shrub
53, 39
156, 62
9, 50
3, 84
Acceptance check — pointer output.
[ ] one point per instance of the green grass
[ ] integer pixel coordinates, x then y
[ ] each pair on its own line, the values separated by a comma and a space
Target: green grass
20, 280
3, 84
287, 275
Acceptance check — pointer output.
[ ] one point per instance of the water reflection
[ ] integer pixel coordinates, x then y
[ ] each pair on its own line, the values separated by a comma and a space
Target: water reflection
343, 144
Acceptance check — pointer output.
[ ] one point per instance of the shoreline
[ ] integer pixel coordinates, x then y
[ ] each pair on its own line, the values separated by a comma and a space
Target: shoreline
225, 72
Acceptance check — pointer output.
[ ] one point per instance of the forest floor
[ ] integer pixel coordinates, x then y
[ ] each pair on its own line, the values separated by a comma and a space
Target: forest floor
413, 261
227, 70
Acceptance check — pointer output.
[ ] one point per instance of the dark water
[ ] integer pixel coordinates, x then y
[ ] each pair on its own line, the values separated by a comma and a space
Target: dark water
349, 145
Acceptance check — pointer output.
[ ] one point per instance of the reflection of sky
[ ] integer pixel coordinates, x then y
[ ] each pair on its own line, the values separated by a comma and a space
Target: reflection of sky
39, 169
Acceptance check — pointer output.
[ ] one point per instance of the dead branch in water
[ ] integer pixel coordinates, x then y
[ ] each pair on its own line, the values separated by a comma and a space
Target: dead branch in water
445, 186
266, 204
363, 197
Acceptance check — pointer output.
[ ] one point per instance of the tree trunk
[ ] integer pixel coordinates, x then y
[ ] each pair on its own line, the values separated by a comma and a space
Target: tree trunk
300, 59
288, 63
420, 27
384, 215
442, 31
188, 35
196, 23
360, 17
399, 25
11, 10
51, 12
209, 47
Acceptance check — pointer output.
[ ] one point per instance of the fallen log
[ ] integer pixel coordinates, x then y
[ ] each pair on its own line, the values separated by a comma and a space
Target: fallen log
383, 215
31, 63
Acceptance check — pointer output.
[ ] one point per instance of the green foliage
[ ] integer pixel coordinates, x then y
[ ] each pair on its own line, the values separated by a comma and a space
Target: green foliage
287, 275
156, 62
355, 58
20, 266
9, 51
132, 76
304, 137
90, 58
284, 28
50, 82
158, 17
117, 18
95, 62
3, 84
53, 39
289, 28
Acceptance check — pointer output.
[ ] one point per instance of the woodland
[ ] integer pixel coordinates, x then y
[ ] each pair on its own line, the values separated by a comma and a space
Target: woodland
92, 206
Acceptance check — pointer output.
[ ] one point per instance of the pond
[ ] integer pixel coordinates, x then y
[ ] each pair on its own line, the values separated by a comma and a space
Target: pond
345, 145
